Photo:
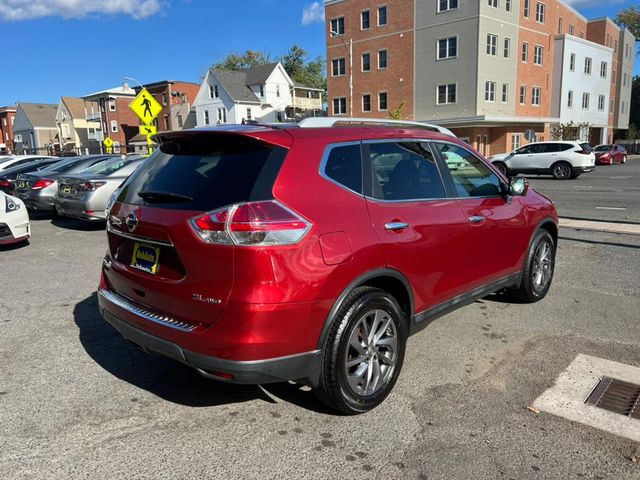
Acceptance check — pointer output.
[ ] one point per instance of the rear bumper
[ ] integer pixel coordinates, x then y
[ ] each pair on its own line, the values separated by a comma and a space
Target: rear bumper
78, 209
36, 201
581, 170
303, 367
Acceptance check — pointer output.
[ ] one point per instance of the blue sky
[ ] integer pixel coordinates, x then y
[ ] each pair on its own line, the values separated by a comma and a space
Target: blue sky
75, 47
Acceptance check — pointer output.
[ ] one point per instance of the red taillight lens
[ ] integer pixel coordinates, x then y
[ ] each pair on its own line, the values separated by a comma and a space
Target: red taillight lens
42, 183
583, 151
4, 183
256, 224
90, 186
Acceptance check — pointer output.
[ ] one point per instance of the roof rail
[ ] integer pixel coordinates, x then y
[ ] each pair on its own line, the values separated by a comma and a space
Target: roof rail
325, 122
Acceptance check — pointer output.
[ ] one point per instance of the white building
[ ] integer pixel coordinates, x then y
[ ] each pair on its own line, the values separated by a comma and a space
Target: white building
582, 92
264, 93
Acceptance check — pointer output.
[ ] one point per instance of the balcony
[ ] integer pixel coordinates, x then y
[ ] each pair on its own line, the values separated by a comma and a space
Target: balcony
96, 135
94, 116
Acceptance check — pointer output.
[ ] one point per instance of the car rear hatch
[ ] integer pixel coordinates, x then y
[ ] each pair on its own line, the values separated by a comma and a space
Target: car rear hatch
72, 187
24, 182
157, 259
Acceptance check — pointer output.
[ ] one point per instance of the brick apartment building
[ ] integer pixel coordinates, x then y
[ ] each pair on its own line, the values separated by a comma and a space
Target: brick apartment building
487, 69
176, 98
116, 118
7, 117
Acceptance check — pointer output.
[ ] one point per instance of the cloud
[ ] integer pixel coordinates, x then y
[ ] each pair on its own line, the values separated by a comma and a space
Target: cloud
29, 9
313, 12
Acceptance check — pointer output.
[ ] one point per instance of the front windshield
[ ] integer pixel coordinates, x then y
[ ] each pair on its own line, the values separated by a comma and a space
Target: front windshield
603, 148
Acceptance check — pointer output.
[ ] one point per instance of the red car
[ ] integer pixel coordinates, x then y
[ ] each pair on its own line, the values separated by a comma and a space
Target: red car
260, 254
610, 154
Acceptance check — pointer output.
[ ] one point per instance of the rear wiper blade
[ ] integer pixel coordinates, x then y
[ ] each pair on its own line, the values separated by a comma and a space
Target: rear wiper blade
158, 196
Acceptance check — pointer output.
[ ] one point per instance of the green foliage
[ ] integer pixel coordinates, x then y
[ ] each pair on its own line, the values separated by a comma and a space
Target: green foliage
396, 114
295, 62
630, 18
571, 131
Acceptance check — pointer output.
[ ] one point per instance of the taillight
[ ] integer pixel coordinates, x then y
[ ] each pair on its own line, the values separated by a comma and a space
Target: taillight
253, 224
90, 186
42, 183
4, 183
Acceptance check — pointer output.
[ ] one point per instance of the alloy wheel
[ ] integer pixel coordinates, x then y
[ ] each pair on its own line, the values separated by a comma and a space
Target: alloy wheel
371, 353
542, 270
562, 170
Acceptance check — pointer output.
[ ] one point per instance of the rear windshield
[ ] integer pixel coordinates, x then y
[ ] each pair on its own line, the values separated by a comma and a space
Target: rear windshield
203, 175
109, 167
603, 148
586, 147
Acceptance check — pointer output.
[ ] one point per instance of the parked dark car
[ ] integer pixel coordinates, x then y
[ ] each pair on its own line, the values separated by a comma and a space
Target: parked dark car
9, 176
258, 254
609, 154
38, 189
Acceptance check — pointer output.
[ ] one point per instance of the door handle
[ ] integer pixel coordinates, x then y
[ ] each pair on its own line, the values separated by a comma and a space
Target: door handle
475, 219
396, 226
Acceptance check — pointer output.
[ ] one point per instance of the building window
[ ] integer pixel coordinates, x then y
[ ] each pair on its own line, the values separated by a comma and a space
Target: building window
507, 5
493, 3
489, 91
535, 96
603, 69
337, 26
112, 105
624, 79
585, 101
570, 99
505, 92
164, 99
527, 8
366, 62
180, 121
340, 106
444, 5
572, 62
382, 59
559, 25
537, 55
382, 16
523, 94
206, 117
278, 91
507, 47
249, 114
515, 141
525, 52
540, 10
611, 106
447, 47
114, 126
211, 92
572, 29
365, 20
447, 94
216, 94
382, 101
492, 44
613, 76
615, 46
366, 103
222, 115
262, 90
338, 68
601, 102
587, 66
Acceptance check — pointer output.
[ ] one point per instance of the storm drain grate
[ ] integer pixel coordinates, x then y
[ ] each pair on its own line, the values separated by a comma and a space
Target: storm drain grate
616, 396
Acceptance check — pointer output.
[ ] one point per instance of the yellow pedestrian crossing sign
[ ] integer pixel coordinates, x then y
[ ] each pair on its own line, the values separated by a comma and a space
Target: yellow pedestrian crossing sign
145, 107
108, 142
148, 129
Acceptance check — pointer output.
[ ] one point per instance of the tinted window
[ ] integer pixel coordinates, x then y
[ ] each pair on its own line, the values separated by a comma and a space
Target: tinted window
586, 147
471, 177
550, 147
603, 148
205, 173
529, 149
66, 165
404, 171
107, 168
344, 166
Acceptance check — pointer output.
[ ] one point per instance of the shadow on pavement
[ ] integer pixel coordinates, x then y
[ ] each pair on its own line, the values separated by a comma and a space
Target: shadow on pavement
14, 246
166, 378
80, 225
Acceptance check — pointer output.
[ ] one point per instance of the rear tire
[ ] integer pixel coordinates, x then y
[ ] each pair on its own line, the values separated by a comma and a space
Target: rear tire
561, 170
364, 351
624, 160
538, 269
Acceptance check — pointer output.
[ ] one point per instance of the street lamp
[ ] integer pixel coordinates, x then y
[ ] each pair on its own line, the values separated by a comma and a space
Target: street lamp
350, 52
131, 79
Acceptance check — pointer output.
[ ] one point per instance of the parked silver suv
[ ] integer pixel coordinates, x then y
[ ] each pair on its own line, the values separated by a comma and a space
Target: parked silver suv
562, 159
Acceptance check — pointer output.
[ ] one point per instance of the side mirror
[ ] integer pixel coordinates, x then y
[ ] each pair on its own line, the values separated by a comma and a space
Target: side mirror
518, 187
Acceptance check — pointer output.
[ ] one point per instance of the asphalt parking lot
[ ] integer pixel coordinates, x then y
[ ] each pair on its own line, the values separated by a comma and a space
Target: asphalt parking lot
77, 401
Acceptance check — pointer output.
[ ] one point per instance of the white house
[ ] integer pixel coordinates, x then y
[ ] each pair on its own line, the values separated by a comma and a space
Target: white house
582, 93
264, 93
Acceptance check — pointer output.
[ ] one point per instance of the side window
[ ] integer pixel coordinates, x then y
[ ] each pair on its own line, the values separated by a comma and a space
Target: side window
345, 167
404, 171
471, 177
549, 147
564, 147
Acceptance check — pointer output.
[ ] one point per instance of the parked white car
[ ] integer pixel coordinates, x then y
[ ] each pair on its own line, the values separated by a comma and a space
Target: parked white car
14, 220
562, 159
15, 160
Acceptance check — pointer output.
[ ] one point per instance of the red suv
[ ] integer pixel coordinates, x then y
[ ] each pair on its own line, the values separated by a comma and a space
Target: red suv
260, 254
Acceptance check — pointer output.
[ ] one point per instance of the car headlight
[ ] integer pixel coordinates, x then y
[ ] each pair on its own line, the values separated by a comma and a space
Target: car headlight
11, 206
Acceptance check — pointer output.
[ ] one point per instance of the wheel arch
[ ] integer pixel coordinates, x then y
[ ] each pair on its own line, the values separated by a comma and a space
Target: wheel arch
387, 279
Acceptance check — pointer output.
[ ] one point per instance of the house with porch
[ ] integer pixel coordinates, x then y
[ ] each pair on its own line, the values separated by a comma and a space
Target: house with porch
74, 128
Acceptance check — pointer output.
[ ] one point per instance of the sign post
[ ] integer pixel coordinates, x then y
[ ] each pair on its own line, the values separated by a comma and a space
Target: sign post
147, 109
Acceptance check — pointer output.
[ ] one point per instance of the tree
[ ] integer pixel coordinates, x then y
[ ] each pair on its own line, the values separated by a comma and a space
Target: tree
571, 131
630, 19
396, 114
248, 59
